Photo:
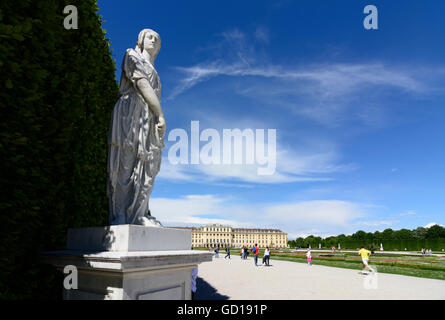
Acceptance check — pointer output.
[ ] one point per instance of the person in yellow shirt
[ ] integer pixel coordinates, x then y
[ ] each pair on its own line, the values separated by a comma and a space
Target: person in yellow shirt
365, 254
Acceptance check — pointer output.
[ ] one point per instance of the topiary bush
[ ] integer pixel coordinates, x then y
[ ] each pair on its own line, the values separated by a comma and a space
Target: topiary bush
58, 88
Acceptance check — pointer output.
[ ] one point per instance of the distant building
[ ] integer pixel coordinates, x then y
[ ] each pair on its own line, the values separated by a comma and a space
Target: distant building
217, 235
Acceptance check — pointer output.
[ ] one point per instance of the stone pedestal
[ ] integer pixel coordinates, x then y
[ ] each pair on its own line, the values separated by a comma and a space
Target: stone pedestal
129, 262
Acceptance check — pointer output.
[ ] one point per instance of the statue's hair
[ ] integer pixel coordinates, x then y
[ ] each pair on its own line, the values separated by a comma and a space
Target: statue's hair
141, 37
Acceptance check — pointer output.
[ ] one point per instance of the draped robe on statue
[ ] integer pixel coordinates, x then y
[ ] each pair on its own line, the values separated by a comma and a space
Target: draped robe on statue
135, 146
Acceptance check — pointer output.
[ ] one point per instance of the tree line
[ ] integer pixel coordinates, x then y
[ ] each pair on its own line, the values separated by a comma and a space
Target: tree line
388, 235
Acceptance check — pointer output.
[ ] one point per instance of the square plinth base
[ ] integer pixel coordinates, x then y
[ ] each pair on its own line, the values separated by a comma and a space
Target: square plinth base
128, 262
128, 238
143, 275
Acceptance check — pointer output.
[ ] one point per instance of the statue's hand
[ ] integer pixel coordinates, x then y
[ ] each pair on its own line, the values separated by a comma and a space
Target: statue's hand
161, 126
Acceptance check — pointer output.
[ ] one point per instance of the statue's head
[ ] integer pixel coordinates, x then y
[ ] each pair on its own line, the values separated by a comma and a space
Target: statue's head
150, 41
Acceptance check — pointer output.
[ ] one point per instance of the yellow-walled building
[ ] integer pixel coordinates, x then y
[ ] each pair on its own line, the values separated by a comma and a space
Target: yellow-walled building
217, 235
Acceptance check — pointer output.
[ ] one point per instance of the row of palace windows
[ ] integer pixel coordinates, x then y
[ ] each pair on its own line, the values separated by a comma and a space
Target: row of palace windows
252, 236
236, 236
238, 242
217, 229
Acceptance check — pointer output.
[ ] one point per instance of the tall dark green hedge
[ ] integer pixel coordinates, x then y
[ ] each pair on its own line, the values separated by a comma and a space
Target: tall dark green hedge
57, 91
388, 244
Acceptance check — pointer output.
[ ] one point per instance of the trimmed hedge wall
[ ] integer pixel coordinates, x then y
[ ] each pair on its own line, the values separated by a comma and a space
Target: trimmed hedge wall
58, 88
410, 245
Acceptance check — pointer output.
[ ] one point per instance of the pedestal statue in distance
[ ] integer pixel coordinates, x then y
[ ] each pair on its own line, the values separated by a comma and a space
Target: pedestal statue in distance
136, 135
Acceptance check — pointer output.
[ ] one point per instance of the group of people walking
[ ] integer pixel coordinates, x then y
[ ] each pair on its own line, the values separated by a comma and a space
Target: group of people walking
244, 252
227, 251
255, 250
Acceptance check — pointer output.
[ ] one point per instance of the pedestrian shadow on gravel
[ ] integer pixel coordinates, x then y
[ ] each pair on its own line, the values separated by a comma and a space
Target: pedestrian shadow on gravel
204, 291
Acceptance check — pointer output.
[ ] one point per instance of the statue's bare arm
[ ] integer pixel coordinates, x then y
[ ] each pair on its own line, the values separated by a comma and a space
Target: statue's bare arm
152, 100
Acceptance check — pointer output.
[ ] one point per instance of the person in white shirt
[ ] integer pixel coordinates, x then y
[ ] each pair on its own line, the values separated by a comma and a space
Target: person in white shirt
309, 257
194, 275
267, 256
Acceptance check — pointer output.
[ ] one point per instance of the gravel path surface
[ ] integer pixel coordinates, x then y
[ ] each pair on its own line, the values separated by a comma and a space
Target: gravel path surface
241, 280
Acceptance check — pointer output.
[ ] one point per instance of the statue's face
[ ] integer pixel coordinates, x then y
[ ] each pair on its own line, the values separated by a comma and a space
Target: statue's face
152, 43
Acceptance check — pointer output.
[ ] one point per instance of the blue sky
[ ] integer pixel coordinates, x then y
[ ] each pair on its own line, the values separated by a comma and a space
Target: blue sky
359, 114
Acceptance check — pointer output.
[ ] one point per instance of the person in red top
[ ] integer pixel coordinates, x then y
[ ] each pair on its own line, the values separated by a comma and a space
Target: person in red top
255, 251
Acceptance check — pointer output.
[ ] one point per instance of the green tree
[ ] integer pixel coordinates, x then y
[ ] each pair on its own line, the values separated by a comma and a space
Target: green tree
331, 241
378, 236
299, 242
341, 237
312, 240
388, 234
404, 234
359, 235
435, 232
420, 233
317, 241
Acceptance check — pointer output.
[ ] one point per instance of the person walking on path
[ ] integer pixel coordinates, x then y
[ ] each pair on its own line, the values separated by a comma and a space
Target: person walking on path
309, 257
228, 252
255, 251
217, 252
242, 253
267, 256
365, 254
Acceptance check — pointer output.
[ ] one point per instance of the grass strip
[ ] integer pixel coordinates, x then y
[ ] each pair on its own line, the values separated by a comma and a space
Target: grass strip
375, 262
405, 271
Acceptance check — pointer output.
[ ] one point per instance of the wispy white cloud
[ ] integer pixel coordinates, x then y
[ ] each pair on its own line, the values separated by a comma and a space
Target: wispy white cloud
316, 214
375, 223
324, 92
327, 94
303, 159
327, 80
191, 210
408, 213
291, 166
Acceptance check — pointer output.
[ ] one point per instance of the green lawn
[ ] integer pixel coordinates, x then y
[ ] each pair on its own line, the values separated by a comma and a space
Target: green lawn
394, 269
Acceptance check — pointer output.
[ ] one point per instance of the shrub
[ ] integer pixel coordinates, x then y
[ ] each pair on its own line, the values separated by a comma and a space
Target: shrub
58, 90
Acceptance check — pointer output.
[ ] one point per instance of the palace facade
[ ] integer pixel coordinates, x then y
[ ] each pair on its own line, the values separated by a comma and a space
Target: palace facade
217, 235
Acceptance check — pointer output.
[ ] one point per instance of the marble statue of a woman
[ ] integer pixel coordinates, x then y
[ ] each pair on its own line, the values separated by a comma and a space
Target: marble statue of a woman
136, 135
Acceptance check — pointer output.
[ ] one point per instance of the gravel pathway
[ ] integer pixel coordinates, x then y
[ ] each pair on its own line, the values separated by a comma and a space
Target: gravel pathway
285, 280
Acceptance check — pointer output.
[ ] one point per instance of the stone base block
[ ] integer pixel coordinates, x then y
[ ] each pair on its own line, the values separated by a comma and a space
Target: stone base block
128, 237
144, 275
129, 262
